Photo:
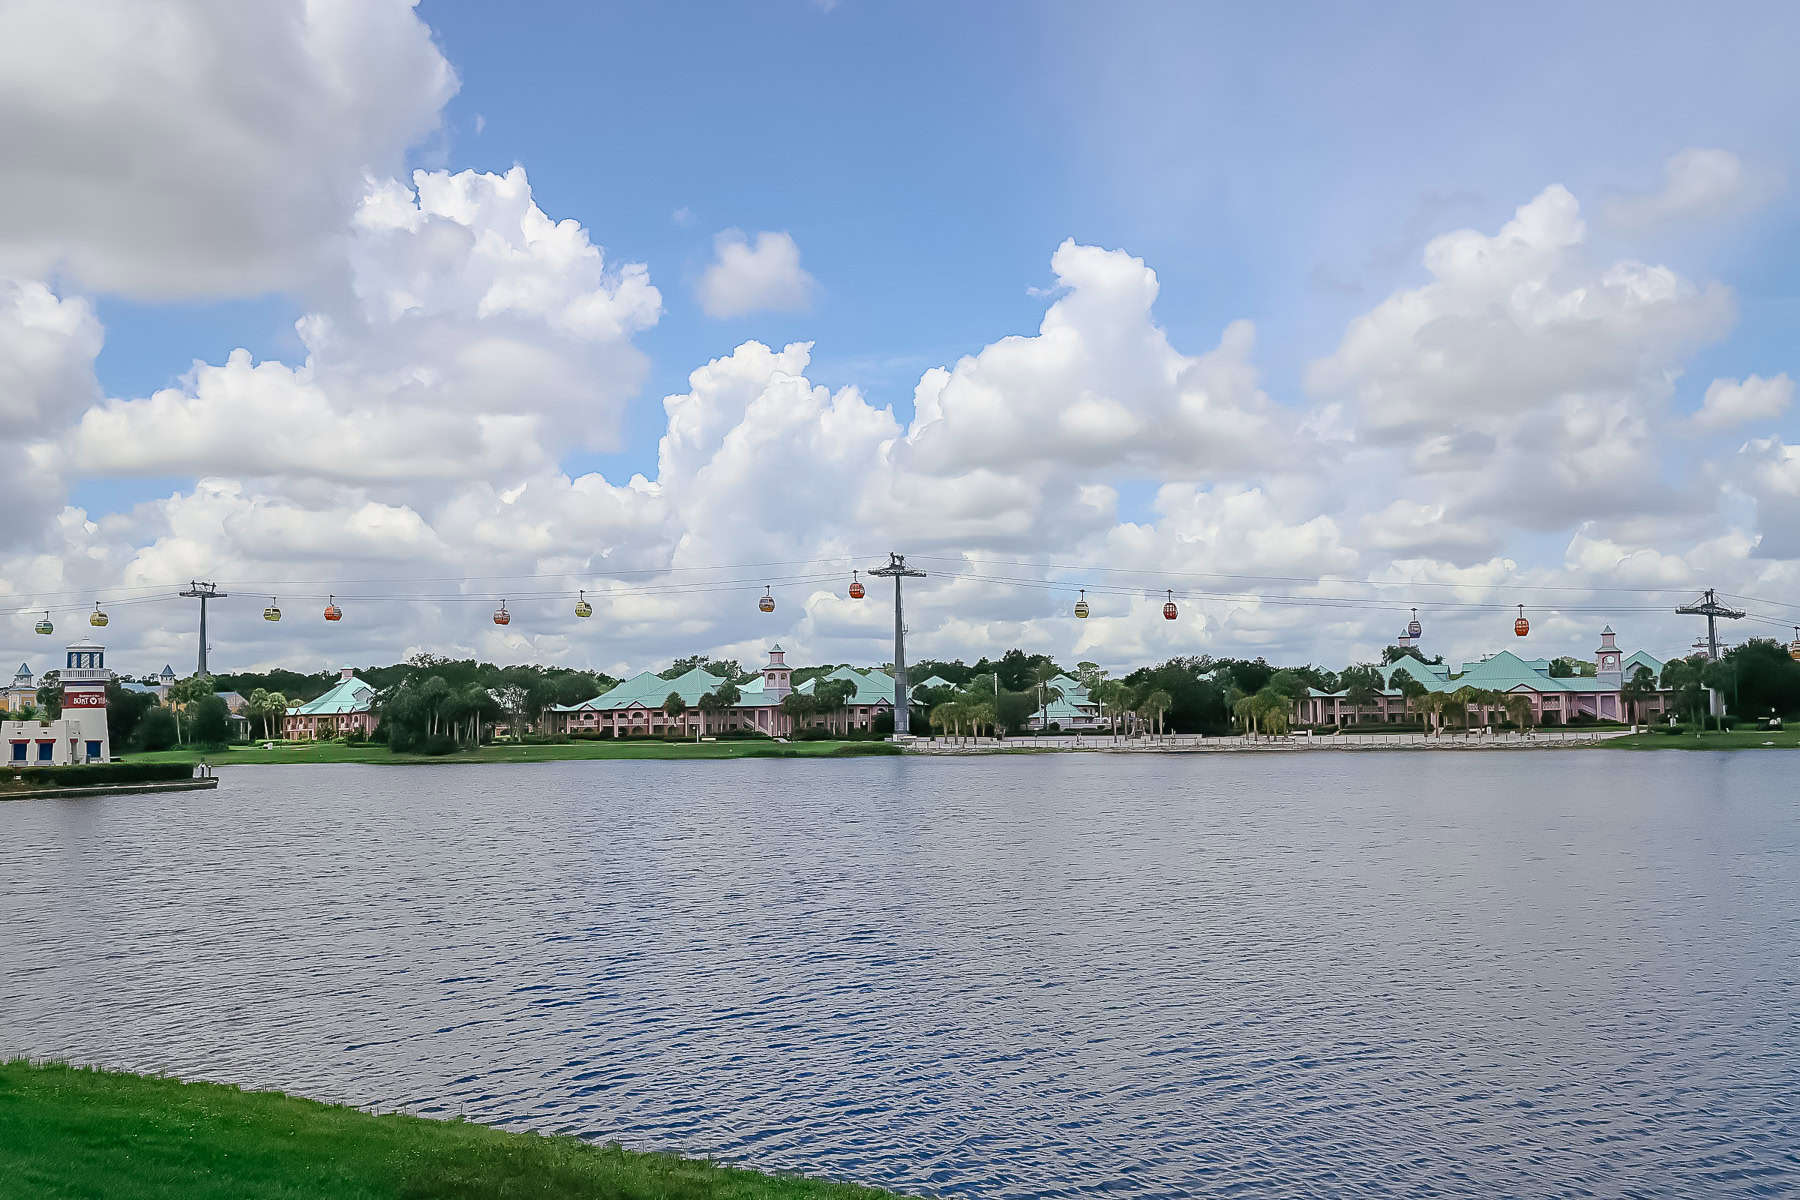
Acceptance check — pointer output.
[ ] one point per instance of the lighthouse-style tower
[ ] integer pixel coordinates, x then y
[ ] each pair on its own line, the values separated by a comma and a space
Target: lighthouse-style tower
84, 678
776, 675
1608, 674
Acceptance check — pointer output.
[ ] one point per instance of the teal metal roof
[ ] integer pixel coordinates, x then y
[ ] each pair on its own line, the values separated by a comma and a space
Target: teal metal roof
647, 689
351, 695
872, 687
1639, 658
1425, 673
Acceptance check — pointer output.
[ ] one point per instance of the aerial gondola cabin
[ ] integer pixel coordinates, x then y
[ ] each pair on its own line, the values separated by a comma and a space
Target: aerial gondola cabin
856, 587
767, 603
44, 626
1169, 612
1794, 646
501, 616
1521, 627
98, 618
332, 611
1081, 605
1413, 628
583, 609
273, 612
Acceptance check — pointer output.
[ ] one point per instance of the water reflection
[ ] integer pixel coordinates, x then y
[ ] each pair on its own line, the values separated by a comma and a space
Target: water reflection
1428, 974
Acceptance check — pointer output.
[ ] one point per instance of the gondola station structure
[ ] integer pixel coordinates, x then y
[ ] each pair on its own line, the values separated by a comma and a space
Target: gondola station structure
79, 735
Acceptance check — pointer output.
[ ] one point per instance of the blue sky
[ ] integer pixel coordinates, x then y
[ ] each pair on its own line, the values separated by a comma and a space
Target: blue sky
1285, 166
1280, 164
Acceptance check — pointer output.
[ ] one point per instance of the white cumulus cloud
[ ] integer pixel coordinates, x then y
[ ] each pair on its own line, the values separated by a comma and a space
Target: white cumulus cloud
1732, 402
754, 275
202, 147
477, 337
1699, 184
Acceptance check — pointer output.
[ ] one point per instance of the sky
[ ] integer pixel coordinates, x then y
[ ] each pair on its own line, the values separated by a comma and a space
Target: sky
1306, 316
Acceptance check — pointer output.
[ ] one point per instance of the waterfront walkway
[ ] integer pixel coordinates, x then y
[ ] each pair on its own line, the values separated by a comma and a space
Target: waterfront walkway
1187, 743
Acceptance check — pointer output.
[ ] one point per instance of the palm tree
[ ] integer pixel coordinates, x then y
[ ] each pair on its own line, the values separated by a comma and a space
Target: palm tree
1046, 693
265, 705
1518, 707
710, 705
1639, 688
674, 707
1245, 710
1410, 691
797, 706
950, 715
834, 697
181, 694
1456, 707
1436, 705
1272, 711
981, 714
1361, 694
1155, 705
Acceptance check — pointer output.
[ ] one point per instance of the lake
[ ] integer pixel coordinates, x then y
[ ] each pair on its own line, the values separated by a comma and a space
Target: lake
1420, 974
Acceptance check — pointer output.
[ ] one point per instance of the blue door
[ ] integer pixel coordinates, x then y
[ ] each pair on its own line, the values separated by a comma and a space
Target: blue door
44, 751
93, 751
18, 754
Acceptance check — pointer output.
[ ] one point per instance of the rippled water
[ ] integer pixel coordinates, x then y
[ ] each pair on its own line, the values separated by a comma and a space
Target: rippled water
1396, 974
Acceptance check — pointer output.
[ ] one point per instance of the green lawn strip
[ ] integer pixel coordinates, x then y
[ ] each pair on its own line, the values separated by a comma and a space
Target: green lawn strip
69, 1132
334, 752
1731, 739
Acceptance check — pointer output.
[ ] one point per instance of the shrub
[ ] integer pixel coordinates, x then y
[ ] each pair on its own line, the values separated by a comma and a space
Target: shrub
157, 729
99, 773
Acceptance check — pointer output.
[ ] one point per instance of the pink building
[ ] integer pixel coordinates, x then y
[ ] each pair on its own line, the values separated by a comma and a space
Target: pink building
1554, 700
349, 707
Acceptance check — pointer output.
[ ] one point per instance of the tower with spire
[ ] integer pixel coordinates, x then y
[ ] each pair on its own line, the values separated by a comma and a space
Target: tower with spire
1607, 671
777, 676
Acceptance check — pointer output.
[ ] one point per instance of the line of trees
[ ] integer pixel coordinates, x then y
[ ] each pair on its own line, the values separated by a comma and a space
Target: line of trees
1755, 679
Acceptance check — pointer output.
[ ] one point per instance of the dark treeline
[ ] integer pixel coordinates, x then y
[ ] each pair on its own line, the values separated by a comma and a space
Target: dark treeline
546, 685
1756, 679
1193, 694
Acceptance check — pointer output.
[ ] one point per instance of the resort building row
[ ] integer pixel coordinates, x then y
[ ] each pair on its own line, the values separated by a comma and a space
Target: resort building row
1555, 700
639, 707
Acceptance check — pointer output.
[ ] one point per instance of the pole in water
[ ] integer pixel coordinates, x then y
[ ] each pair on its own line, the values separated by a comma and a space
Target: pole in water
897, 570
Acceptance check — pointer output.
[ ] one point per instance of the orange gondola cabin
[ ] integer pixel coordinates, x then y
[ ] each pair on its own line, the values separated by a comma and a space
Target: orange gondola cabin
1521, 626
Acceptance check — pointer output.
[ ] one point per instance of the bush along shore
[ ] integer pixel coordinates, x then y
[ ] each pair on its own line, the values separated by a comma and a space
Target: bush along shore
512, 752
118, 774
70, 1132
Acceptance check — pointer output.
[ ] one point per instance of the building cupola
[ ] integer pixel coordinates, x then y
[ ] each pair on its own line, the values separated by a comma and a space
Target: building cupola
1607, 670
777, 676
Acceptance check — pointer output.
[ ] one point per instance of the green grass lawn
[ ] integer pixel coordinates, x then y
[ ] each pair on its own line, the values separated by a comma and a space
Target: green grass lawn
98, 1135
333, 752
1731, 739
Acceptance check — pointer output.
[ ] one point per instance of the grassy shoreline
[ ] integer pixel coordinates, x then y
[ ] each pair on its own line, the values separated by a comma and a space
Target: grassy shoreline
285, 753
70, 1132
374, 753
